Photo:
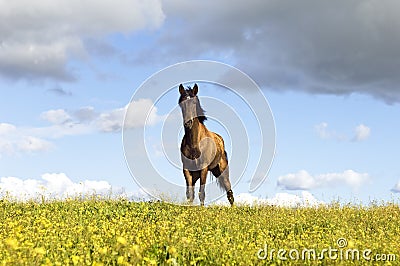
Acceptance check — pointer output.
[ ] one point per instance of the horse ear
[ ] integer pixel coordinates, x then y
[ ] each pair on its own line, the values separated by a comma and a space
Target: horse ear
195, 89
181, 89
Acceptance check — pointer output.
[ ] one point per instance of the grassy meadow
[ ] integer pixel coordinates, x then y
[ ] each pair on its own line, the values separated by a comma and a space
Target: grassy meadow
119, 232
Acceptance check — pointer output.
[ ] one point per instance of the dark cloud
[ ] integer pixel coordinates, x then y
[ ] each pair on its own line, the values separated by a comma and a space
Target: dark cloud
60, 91
325, 47
39, 39
316, 46
19, 64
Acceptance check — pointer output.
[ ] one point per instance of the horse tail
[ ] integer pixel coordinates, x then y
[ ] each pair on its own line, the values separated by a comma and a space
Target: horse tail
221, 184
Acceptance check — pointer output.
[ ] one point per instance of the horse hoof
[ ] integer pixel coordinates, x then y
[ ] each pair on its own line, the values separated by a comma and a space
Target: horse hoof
190, 202
230, 197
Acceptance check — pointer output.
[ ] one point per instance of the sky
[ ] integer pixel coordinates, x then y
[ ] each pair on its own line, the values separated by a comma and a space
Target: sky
330, 71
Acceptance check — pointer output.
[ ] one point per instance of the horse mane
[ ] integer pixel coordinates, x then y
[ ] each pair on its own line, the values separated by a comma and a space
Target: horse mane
201, 114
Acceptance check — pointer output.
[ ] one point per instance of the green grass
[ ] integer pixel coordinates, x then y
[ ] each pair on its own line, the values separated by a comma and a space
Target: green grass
119, 232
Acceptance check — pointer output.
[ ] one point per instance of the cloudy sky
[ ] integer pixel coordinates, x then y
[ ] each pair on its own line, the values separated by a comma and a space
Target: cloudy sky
329, 69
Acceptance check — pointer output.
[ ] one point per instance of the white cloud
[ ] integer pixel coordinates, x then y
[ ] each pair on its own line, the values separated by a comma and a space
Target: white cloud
285, 199
141, 112
306, 199
302, 180
52, 186
324, 133
39, 37
6, 128
83, 121
108, 121
111, 121
396, 188
58, 116
12, 141
362, 132
32, 144
60, 186
321, 130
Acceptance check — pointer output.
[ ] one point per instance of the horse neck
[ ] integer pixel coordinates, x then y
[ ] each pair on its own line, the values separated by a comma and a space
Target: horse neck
193, 135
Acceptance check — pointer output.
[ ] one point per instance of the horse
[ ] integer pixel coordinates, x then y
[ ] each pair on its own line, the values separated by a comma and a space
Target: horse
201, 149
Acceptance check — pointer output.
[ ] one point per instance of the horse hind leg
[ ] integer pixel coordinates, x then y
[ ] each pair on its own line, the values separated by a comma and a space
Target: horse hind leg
224, 182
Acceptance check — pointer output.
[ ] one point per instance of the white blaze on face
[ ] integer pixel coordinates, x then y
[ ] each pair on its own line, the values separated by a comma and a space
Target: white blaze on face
188, 107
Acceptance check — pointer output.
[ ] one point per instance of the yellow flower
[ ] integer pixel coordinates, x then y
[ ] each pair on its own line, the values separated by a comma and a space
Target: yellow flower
135, 249
121, 240
150, 261
350, 244
171, 261
103, 251
120, 260
172, 250
12, 243
185, 240
40, 251
47, 262
75, 259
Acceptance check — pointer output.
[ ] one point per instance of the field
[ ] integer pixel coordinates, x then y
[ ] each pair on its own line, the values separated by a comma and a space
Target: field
119, 232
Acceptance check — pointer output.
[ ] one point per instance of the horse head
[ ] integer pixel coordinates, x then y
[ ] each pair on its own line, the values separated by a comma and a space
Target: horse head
190, 106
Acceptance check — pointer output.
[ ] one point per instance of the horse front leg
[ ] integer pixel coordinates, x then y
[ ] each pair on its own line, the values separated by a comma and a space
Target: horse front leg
189, 185
203, 179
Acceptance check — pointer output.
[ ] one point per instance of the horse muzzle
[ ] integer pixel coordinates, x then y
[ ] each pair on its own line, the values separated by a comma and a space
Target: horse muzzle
188, 124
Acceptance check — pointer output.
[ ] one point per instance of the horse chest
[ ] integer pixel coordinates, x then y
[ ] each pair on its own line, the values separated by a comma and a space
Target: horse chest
197, 158
191, 152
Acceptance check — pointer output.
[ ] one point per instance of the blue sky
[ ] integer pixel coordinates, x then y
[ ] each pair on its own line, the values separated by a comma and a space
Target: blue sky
329, 70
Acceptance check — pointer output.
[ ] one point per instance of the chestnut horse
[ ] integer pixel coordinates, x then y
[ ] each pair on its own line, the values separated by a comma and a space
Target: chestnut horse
201, 149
